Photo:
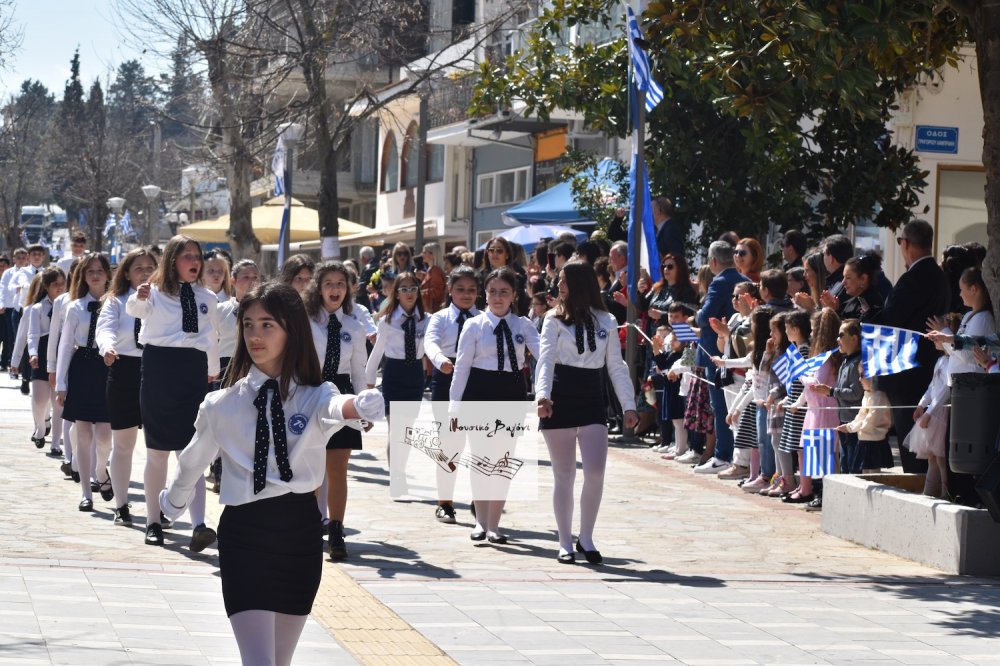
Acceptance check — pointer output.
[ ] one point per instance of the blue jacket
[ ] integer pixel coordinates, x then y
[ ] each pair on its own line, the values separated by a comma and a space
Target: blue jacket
718, 303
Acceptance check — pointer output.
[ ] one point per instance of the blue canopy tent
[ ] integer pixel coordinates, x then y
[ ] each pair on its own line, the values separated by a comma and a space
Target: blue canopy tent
555, 205
529, 236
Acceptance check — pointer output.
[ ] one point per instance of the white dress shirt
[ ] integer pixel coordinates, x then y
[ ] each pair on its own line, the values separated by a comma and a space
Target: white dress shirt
477, 348
558, 346
441, 340
6, 293
963, 360
391, 341
20, 283
228, 328
363, 315
75, 331
20, 340
116, 327
353, 352
161, 316
66, 262
227, 426
55, 330
39, 323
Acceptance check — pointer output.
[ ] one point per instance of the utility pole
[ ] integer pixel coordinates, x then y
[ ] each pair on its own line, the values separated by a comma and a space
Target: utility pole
418, 240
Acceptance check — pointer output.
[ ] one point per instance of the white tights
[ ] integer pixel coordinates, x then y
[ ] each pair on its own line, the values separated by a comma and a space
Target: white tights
267, 638
68, 441
93, 446
122, 447
155, 479
42, 405
680, 436
593, 441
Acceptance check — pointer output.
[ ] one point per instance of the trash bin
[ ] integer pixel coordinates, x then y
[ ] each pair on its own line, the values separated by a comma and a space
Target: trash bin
975, 419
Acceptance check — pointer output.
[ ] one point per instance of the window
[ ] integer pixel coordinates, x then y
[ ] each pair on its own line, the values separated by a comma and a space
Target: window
435, 163
390, 164
503, 187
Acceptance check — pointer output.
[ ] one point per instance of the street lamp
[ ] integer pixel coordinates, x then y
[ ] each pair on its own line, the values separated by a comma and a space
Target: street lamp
152, 193
291, 134
116, 204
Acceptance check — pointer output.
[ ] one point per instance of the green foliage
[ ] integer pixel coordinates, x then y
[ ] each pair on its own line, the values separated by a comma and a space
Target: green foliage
593, 199
775, 111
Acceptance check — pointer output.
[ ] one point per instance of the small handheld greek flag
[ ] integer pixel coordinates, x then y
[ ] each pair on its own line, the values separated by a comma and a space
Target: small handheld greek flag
684, 333
818, 447
813, 363
886, 350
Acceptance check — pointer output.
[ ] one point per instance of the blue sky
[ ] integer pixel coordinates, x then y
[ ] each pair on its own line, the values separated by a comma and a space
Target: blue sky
52, 30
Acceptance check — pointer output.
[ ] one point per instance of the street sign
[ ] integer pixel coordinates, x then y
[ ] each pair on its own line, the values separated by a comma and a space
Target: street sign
934, 139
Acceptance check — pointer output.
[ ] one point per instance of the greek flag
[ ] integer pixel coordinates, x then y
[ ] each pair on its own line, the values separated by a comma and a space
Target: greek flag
278, 167
782, 367
818, 447
640, 63
109, 224
813, 363
886, 350
684, 333
126, 224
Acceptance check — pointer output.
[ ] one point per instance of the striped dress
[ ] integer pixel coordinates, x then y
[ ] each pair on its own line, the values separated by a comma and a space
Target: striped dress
791, 430
746, 431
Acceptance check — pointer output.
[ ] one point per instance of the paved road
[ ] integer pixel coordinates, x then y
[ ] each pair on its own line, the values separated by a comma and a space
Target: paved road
696, 572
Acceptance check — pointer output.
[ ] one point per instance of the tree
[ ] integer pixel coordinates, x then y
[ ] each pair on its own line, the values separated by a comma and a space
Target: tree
66, 144
776, 111
22, 142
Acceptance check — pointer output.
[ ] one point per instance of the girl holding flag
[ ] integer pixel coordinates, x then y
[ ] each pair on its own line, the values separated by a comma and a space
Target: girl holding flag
798, 328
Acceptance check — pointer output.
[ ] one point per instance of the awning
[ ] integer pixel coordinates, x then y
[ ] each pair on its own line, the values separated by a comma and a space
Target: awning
555, 205
434, 230
266, 221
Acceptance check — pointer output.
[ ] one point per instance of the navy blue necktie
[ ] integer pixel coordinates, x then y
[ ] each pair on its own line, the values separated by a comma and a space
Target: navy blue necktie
502, 331
93, 307
410, 339
332, 361
189, 309
591, 341
263, 439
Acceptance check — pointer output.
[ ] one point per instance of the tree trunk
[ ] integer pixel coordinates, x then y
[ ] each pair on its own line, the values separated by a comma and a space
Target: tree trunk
986, 26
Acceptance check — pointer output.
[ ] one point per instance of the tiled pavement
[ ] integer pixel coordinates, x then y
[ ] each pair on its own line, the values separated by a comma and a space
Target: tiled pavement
695, 573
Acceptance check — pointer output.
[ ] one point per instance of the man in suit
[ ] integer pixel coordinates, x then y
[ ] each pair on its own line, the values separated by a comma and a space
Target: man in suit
617, 263
718, 303
920, 293
669, 237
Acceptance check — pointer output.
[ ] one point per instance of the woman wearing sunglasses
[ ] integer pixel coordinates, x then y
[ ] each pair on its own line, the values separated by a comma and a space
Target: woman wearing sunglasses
674, 287
500, 253
749, 258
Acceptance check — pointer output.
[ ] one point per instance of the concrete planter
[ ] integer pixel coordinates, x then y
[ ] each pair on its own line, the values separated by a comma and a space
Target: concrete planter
887, 513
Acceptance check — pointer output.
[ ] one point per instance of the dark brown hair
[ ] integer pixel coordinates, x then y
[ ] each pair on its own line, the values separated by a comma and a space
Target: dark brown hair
314, 293
165, 277
298, 361
80, 288
119, 283
49, 275
393, 300
295, 263
510, 277
583, 294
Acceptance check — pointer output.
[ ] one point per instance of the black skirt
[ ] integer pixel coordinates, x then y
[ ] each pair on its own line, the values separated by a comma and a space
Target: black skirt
271, 554
875, 454
345, 438
401, 381
86, 398
577, 398
495, 386
174, 383
124, 378
42, 372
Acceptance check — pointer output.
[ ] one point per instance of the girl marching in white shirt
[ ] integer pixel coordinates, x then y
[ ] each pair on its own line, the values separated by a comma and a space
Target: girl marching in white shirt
271, 426
180, 357
339, 341
490, 367
81, 376
118, 342
51, 285
51, 356
579, 339
441, 346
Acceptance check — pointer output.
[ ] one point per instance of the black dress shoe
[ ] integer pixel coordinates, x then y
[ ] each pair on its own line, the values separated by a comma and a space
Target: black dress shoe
66, 469
478, 535
593, 556
201, 538
165, 522
801, 499
86, 505
76, 477
154, 535
48, 426
95, 487
338, 546
107, 492
499, 539
39, 442
566, 558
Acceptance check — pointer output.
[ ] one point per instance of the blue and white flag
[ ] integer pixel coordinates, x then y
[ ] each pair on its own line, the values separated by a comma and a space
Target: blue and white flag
782, 368
684, 333
886, 350
126, 224
109, 224
818, 448
278, 167
642, 73
814, 363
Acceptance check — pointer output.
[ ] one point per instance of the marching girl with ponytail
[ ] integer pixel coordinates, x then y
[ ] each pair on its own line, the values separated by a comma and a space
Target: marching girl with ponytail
270, 424
339, 339
51, 355
490, 367
52, 283
180, 358
81, 377
579, 340
118, 342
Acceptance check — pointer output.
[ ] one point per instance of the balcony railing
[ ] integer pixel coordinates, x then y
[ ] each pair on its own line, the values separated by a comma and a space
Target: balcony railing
449, 101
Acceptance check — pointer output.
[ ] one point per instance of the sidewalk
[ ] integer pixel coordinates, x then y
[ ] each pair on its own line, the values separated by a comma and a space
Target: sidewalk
695, 572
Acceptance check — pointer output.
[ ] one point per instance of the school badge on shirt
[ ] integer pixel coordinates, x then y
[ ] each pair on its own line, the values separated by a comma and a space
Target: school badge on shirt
519, 339
602, 334
202, 308
297, 423
345, 336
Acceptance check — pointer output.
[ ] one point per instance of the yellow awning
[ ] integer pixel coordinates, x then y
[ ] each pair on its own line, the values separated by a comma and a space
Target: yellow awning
266, 220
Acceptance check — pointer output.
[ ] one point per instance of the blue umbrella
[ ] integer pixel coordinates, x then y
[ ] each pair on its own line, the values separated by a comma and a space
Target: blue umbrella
530, 236
555, 205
